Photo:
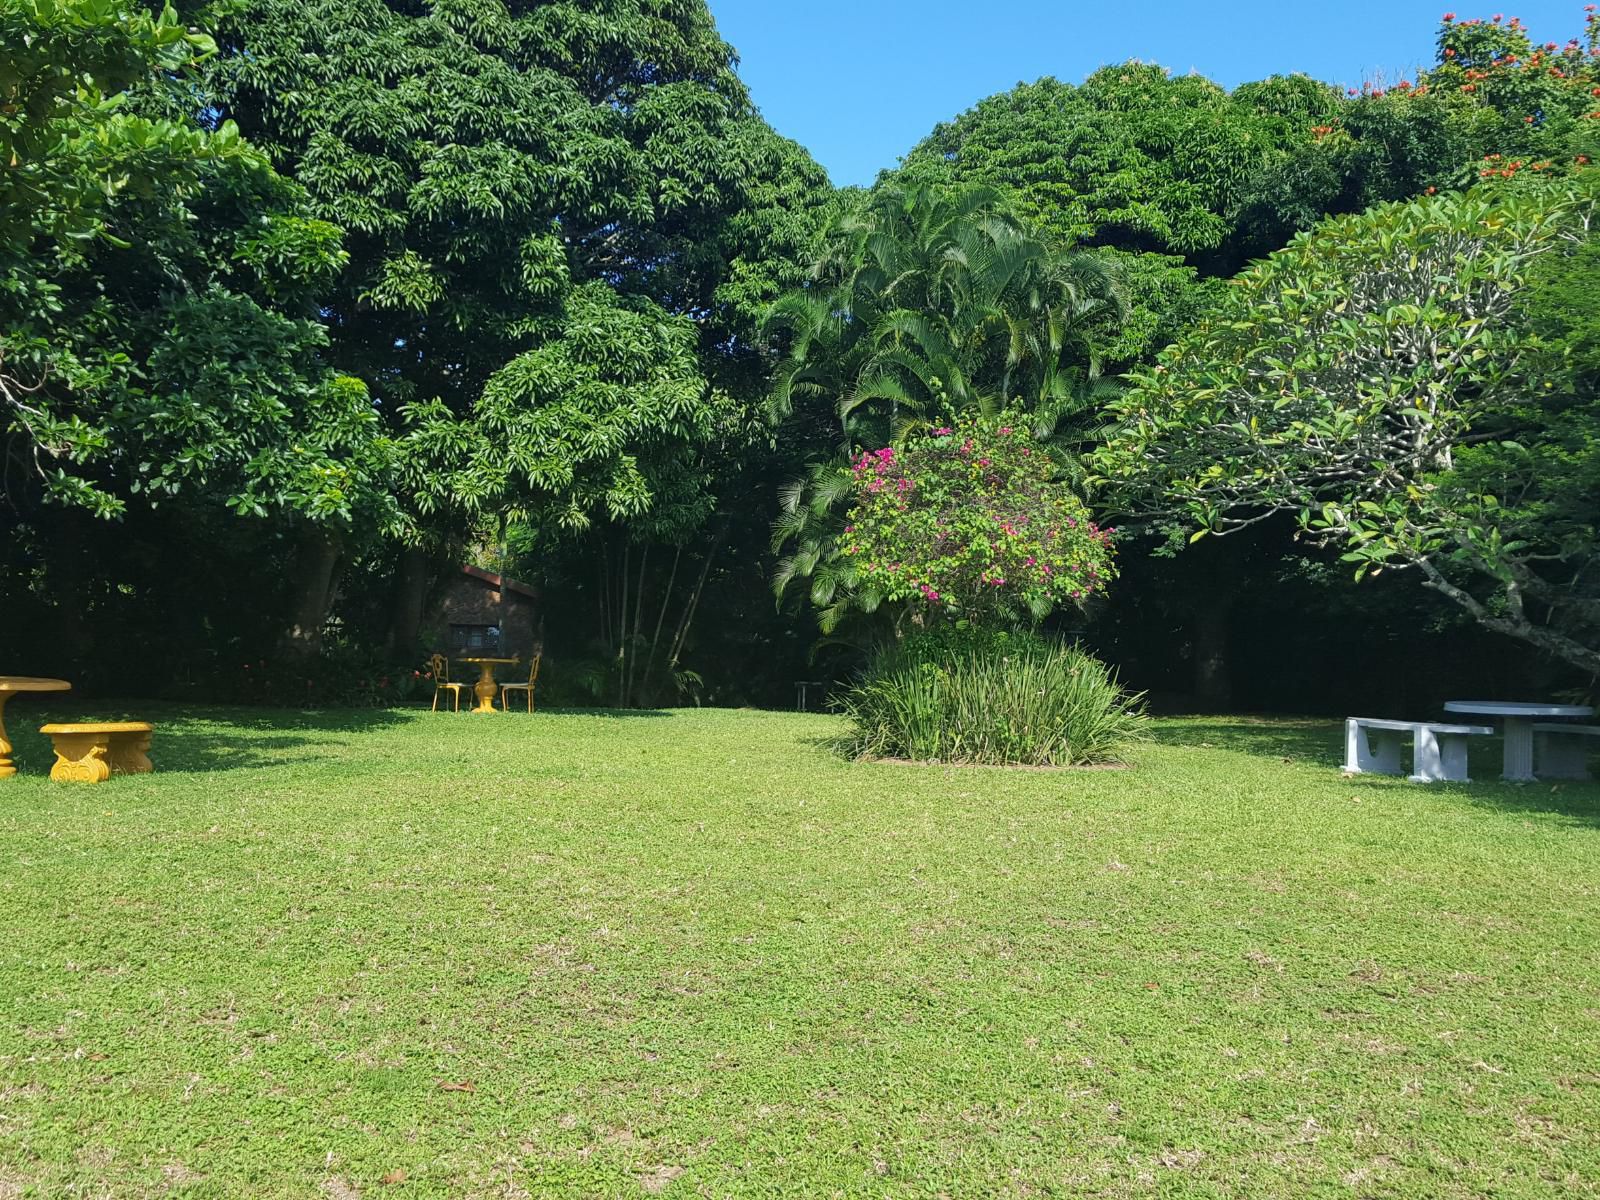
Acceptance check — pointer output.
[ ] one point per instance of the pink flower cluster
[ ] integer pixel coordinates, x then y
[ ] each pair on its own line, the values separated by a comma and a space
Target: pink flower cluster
877, 464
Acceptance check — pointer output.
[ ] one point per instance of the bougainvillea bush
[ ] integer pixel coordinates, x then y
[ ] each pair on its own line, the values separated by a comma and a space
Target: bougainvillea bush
973, 522
991, 697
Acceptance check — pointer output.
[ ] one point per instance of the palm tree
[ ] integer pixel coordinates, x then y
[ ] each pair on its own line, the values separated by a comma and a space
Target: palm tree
810, 520
924, 304
929, 303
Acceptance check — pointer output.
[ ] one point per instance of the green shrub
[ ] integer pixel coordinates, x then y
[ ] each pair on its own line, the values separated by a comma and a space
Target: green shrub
991, 698
973, 521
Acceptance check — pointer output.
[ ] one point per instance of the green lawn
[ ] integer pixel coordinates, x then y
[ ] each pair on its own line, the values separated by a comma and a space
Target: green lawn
694, 953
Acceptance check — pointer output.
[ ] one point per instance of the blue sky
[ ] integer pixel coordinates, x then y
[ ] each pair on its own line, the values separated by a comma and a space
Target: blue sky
859, 82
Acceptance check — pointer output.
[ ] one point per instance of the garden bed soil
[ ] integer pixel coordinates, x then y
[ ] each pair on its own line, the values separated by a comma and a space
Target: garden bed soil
935, 762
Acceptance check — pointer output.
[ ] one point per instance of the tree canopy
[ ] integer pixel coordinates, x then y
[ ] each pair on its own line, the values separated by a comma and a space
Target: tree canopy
924, 306
1133, 157
926, 303
518, 181
313, 301
158, 323
1351, 378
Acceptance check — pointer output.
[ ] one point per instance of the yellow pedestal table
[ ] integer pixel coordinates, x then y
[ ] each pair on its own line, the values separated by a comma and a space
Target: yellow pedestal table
10, 685
486, 688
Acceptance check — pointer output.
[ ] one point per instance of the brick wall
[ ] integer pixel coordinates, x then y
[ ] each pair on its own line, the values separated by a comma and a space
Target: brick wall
467, 600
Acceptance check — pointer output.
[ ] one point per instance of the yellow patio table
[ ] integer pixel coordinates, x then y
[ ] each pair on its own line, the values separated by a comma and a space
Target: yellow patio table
486, 688
10, 685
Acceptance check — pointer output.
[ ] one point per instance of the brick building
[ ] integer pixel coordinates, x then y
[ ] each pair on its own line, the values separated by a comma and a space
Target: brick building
479, 613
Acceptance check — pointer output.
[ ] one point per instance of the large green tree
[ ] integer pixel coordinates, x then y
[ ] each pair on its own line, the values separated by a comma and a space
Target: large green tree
519, 180
562, 222
1189, 181
1385, 381
158, 282
1133, 157
1157, 169
1184, 183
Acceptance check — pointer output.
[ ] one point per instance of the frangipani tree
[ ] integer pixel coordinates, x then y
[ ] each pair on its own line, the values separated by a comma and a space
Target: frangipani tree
1347, 379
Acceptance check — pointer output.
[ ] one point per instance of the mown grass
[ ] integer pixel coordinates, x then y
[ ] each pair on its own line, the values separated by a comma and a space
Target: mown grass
697, 953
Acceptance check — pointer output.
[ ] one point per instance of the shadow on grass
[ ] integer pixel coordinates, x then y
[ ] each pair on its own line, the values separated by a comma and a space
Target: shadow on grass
620, 714
1320, 742
1574, 803
251, 739
1303, 739
190, 739
236, 739
835, 745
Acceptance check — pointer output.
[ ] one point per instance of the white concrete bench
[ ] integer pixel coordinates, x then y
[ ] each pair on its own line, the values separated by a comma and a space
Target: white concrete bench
1439, 754
1561, 750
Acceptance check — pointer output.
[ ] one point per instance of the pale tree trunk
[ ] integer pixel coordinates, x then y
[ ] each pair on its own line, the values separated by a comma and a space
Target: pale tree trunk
1513, 620
638, 613
653, 661
681, 636
622, 631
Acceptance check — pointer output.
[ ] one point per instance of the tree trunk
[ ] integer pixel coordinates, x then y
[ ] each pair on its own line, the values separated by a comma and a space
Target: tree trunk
602, 561
312, 578
682, 634
653, 661
410, 593
638, 614
622, 631
1213, 683
70, 572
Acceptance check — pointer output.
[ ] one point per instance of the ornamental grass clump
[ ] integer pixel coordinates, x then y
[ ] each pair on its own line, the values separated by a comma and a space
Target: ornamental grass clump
992, 699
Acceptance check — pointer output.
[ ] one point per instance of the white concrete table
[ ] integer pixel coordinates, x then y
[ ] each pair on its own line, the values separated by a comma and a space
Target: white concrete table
1518, 718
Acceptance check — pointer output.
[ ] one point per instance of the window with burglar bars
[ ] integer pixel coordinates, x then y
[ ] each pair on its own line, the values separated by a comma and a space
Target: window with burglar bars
474, 640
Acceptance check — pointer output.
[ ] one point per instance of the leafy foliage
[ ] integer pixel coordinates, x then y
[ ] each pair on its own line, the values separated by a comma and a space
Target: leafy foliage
1526, 99
1174, 176
622, 379
1345, 380
929, 303
1132, 157
991, 698
353, 285
157, 284
926, 305
973, 520
540, 199
811, 526
66, 143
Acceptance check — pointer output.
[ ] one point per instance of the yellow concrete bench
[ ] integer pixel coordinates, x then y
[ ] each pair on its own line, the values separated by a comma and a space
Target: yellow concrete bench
93, 753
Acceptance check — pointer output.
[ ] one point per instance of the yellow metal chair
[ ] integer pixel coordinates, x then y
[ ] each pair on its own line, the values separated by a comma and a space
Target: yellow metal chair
440, 666
507, 688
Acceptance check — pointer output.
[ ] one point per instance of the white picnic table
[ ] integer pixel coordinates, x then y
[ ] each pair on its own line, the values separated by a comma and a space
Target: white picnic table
1517, 718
